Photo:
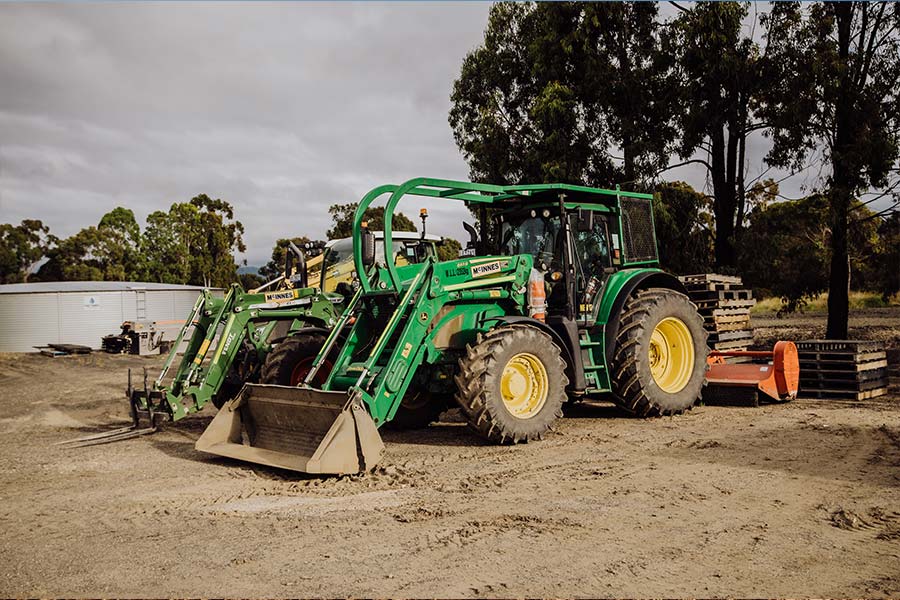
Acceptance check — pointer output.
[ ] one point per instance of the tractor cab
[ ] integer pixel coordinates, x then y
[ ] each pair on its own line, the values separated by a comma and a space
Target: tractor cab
576, 243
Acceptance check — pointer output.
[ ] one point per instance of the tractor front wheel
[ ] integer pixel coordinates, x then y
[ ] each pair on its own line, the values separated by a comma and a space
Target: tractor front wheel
659, 365
512, 384
291, 360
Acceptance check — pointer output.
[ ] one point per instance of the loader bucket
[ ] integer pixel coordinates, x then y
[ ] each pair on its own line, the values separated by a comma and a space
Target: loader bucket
301, 429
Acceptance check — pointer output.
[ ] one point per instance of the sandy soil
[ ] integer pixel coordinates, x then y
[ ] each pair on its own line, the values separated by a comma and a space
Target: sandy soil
797, 499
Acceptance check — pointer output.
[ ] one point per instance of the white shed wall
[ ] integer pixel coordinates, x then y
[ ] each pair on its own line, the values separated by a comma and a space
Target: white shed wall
38, 319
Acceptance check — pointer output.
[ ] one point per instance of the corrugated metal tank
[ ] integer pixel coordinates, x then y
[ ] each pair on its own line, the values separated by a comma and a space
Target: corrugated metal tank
82, 312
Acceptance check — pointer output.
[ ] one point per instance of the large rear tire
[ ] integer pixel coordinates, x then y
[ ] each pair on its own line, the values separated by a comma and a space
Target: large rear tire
659, 365
291, 360
512, 384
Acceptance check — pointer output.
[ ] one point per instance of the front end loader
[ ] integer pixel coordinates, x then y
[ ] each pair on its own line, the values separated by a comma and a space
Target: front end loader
559, 298
252, 336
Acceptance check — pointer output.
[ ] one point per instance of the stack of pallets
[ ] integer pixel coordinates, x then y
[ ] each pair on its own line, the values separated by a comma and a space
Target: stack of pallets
842, 370
725, 306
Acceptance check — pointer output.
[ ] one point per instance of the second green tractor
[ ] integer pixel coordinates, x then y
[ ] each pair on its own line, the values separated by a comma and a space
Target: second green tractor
558, 297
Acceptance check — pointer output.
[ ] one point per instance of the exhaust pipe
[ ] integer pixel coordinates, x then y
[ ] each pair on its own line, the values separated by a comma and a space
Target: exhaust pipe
301, 429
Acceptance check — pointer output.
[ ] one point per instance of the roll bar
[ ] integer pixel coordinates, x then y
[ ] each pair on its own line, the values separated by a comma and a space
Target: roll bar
465, 191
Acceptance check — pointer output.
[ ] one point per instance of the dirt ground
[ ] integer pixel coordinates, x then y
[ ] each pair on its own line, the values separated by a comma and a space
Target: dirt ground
798, 499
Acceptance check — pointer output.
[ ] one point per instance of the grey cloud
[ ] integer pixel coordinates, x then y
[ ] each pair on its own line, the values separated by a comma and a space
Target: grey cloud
281, 109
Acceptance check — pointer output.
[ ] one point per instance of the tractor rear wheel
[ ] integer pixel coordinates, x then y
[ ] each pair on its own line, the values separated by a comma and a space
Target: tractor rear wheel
512, 384
291, 360
659, 365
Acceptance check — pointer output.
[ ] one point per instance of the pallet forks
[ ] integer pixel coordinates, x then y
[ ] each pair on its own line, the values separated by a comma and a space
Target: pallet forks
144, 419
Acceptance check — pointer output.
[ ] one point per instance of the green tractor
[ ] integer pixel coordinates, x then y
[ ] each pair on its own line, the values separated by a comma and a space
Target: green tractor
257, 335
560, 298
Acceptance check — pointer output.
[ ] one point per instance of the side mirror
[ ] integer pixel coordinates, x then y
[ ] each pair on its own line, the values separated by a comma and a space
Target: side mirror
585, 220
368, 248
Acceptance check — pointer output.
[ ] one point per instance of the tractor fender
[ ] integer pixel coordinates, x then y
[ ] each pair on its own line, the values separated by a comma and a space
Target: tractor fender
629, 282
574, 367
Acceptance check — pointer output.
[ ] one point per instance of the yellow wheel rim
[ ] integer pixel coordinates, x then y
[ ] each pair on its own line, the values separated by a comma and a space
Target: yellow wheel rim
524, 385
671, 355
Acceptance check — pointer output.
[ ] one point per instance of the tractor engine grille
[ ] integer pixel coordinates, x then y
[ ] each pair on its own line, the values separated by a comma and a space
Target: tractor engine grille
637, 224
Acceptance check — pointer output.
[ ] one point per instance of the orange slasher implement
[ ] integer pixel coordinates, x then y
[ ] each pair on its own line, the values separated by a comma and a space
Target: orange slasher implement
779, 379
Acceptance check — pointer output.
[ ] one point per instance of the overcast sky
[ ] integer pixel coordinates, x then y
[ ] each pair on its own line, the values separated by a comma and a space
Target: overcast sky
281, 109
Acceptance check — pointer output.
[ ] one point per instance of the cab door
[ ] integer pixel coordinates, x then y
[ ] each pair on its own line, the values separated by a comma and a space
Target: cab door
592, 261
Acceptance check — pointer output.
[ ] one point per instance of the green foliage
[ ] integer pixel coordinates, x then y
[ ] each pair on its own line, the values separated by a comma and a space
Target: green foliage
833, 68
21, 248
449, 250
716, 80
275, 266
785, 250
554, 86
250, 281
886, 260
193, 243
111, 251
342, 217
683, 228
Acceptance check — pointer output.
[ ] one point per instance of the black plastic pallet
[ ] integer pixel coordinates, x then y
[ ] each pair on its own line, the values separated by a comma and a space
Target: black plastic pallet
814, 394
840, 346
813, 374
841, 357
846, 384
841, 366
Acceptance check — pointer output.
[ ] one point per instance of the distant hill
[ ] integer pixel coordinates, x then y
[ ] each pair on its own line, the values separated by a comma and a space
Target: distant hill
249, 269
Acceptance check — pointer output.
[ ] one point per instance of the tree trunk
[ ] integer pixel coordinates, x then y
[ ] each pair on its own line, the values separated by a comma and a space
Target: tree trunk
723, 200
841, 190
839, 280
629, 170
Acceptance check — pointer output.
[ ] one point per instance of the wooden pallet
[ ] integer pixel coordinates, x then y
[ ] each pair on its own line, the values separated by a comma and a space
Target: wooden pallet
729, 336
723, 327
708, 307
720, 295
709, 278
732, 345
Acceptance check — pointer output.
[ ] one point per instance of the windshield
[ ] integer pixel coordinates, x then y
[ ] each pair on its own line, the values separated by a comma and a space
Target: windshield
339, 259
531, 233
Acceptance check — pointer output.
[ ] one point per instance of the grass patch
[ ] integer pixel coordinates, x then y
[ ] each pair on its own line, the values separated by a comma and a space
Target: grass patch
819, 304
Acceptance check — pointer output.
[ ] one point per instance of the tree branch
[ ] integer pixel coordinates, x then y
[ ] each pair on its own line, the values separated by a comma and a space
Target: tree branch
681, 164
